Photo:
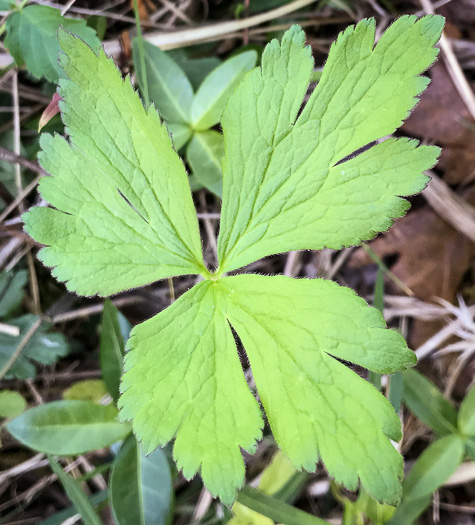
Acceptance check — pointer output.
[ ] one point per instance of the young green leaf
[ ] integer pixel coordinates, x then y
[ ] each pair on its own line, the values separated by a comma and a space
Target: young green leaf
169, 87
213, 93
294, 328
183, 370
305, 195
141, 490
68, 427
32, 38
12, 403
204, 154
132, 221
127, 218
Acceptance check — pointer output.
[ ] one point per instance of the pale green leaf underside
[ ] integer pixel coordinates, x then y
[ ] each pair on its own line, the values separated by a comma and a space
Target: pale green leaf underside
283, 189
183, 378
169, 87
124, 214
213, 93
204, 154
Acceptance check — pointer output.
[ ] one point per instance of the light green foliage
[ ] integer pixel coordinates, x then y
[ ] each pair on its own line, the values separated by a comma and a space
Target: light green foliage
189, 114
214, 91
32, 38
274, 477
140, 486
466, 419
185, 372
87, 390
44, 347
11, 403
68, 427
301, 197
120, 226
127, 219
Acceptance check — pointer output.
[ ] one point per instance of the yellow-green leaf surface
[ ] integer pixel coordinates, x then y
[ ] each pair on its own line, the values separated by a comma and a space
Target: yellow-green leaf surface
285, 186
123, 214
184, 377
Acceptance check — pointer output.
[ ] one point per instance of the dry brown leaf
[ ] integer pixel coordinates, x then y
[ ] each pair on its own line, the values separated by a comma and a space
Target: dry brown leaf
431, 258
442, 118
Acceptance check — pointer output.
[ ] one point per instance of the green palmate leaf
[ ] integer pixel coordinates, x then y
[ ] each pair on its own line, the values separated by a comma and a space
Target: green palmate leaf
141, 491
184, 371
302, 195
213, 93
123, 217
204, 153
132, 221
32, 38
68, 427
292, 327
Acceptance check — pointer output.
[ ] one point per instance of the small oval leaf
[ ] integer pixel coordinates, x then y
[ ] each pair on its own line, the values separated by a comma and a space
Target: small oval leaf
66, 428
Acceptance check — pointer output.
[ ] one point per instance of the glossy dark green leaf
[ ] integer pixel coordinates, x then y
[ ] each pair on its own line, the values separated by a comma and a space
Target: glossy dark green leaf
141, 489
66, 428
428, 404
